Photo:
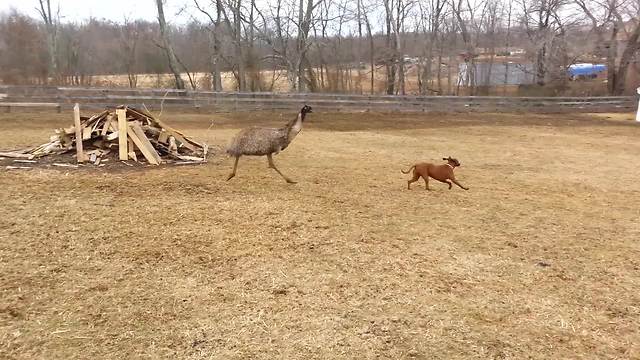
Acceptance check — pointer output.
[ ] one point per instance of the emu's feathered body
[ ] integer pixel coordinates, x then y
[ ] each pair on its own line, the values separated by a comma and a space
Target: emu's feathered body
260, 141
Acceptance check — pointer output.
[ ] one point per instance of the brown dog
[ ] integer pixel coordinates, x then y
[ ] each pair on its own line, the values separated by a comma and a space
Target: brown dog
442, 173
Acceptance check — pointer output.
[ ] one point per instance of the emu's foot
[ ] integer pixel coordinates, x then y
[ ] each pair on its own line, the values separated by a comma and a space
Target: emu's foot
230, 176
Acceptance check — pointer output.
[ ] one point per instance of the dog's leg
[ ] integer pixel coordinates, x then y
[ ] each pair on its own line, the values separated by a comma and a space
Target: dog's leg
448, 183
413, 179
235, 166
457, 183
426, 182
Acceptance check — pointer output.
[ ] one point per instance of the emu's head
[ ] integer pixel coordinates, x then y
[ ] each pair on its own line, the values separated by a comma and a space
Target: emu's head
452, 161
306, 109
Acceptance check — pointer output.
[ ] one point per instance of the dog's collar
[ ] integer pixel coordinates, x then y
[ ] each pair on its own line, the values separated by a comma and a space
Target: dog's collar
451, 166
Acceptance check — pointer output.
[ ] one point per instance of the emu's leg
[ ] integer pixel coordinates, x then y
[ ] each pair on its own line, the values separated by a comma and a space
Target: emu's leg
273, 166
235, 166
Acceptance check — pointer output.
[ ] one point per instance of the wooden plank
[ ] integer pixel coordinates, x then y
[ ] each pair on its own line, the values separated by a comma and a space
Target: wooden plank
86, 133
173, 148
65, 165
16, 155
79, 133
133, 156
188, 143
123, 154
113, 136
163, 137
178, 137
132, 151
140, 139
106, 125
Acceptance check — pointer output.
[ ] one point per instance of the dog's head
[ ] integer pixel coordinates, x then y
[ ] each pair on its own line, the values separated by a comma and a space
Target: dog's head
452, 161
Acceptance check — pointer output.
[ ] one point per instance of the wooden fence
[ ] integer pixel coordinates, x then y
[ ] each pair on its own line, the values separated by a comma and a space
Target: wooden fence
207, 101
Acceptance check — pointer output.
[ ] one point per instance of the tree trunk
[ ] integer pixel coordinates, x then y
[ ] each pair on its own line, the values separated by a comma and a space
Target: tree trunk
52, 38
372, 61
633, 45
214, 61
390, 63
168, 49
239, 53
540, 65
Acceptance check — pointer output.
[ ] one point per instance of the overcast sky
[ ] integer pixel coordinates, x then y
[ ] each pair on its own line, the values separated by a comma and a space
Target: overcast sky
116, 10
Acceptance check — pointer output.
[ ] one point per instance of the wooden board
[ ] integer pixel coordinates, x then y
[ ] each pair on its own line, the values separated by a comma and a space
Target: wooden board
132, 150
188, 143
86, 133
163, 137
79, 133
133, 156
140, 139
16, 155
123, 154
112, 136
106, 125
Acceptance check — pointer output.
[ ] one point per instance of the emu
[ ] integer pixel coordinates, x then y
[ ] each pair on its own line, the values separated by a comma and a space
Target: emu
260, 141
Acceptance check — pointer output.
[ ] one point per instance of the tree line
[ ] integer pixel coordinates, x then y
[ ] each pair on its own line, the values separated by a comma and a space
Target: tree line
362, 46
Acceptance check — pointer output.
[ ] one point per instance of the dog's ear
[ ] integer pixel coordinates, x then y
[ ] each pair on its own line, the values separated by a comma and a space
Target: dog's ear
445, 159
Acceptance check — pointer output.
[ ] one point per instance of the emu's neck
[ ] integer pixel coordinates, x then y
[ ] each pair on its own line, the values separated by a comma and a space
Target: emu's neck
295, 126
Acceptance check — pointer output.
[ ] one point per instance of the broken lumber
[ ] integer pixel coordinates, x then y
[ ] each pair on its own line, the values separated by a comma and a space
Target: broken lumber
122, 134
140, 139
17, 155
79, 133
132, 132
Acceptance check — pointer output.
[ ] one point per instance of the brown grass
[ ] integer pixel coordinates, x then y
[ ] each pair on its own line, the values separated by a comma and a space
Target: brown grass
538, 260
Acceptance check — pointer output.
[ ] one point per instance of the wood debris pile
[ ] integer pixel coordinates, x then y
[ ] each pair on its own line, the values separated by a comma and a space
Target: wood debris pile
146, 138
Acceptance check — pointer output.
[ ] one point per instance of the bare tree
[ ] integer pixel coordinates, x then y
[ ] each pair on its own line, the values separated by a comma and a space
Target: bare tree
542, 22
51, 25
129, 36
215, 48
459, 8
304, 71
167, 47
432, 14
607, 18
372, 61
25, 60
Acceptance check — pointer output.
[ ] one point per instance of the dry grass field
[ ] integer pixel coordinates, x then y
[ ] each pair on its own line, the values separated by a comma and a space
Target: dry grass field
539, 259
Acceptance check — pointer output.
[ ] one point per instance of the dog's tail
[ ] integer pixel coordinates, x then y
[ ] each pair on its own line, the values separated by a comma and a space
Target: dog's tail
408, 171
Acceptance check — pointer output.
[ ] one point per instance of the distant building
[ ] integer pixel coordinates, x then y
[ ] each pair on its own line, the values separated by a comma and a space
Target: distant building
490, 74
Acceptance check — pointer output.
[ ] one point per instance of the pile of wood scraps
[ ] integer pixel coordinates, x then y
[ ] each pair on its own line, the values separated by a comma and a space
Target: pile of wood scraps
122, 134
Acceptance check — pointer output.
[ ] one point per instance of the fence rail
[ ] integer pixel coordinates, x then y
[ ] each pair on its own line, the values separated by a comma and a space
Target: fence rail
209, 101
